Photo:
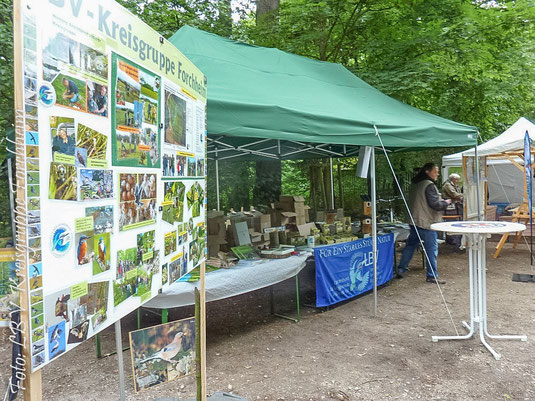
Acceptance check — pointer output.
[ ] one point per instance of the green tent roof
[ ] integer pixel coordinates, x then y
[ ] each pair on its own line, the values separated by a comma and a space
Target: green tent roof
257, 92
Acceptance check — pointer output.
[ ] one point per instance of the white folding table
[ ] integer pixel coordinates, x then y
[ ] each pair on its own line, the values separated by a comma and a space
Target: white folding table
475, 232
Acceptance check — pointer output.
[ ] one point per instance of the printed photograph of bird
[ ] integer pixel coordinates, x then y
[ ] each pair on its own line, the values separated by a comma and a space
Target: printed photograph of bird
55, 342
80, 158
102, 250
81, 252
36, 270
168, 352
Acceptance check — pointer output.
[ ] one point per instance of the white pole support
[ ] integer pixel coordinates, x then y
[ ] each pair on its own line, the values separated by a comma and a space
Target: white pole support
217, 182
479, 217
332, 181
374, 230
119, 348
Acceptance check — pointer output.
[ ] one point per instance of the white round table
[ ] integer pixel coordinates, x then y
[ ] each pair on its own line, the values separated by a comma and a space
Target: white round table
476, 232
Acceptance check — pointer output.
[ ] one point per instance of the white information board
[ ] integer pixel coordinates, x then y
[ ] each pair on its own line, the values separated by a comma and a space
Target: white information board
115, 150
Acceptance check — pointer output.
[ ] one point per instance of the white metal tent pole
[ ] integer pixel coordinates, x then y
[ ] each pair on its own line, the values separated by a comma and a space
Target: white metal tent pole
217, 179
119, 348
332, 181
477, 183
374, 230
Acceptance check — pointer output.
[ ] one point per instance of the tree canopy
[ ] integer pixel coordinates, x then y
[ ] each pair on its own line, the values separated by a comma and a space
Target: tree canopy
469, 61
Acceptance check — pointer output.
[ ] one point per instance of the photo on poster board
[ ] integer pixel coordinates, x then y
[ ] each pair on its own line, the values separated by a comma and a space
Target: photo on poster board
57, 307
78, 73
135, 115
97, 298
63, 182
56, 340
198, 244
162, 353
102, 218
70, 91
145, 245
173, 204
195, 199
102, 259
127, 261
95, 184
165, 273
78, 333
137, 200
170, 243
95, 145
175, 117
85, 251
174, 164
63, 134
97, 303
178, 267
62, 53
97, 98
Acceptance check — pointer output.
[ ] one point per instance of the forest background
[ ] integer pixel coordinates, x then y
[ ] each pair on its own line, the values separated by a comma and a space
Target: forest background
468, 61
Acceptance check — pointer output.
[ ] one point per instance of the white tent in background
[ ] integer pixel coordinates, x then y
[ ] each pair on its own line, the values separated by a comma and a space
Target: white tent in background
505, 181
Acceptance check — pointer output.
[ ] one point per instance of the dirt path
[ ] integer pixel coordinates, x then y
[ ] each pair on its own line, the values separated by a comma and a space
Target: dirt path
343, 353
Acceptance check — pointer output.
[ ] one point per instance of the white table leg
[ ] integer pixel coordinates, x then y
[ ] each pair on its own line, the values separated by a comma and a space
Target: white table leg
472, 285
484, 289
478, 298
481, 295
470, 327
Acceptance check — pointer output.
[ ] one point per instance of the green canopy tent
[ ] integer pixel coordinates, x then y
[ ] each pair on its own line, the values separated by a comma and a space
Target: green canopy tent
264, 103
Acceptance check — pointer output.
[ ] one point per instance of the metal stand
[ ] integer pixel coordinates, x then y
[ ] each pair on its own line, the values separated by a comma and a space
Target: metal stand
119, 347
297, 319
98, 343
478, 297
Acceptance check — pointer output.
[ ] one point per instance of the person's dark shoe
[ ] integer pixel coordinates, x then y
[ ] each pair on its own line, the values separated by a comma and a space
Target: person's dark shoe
434, 280
402, 273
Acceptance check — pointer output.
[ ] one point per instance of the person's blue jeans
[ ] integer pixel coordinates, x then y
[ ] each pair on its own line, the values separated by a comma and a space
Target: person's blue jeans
431, 248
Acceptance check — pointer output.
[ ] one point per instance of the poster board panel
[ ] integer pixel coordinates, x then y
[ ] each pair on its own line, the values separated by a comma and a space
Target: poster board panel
104, 212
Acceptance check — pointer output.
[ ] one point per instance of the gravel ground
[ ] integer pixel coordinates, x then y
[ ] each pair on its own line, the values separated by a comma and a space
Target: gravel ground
343, 353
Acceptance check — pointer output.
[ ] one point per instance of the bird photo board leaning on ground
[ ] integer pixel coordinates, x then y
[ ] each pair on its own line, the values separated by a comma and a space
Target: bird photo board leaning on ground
162, 353
90, 144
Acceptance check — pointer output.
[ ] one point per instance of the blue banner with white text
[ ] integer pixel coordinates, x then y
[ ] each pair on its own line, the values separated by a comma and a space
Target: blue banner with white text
345, 270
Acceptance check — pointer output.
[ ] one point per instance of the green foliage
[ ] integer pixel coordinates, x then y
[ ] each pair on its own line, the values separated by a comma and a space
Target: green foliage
236, 181
469, 61
6, 70
167, 16
6, 107
294, 181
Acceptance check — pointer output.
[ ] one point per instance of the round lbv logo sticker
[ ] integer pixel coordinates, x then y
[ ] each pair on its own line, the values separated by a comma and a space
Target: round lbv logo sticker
61, 240
47, 94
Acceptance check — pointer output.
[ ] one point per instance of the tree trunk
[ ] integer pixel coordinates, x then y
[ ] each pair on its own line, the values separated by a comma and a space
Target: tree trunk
313, 202
267, 11
225, 16
340, 187
267, 187
327, 185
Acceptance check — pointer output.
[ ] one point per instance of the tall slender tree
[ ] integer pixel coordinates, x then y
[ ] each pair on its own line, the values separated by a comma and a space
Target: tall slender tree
267, 186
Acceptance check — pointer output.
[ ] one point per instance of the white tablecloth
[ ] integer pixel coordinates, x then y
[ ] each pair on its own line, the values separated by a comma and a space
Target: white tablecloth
225, 283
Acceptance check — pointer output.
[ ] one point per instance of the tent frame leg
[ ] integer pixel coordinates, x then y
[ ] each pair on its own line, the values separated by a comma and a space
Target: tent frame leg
296, 319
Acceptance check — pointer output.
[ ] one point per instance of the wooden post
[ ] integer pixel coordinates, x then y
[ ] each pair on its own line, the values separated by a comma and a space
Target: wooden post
32, 381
